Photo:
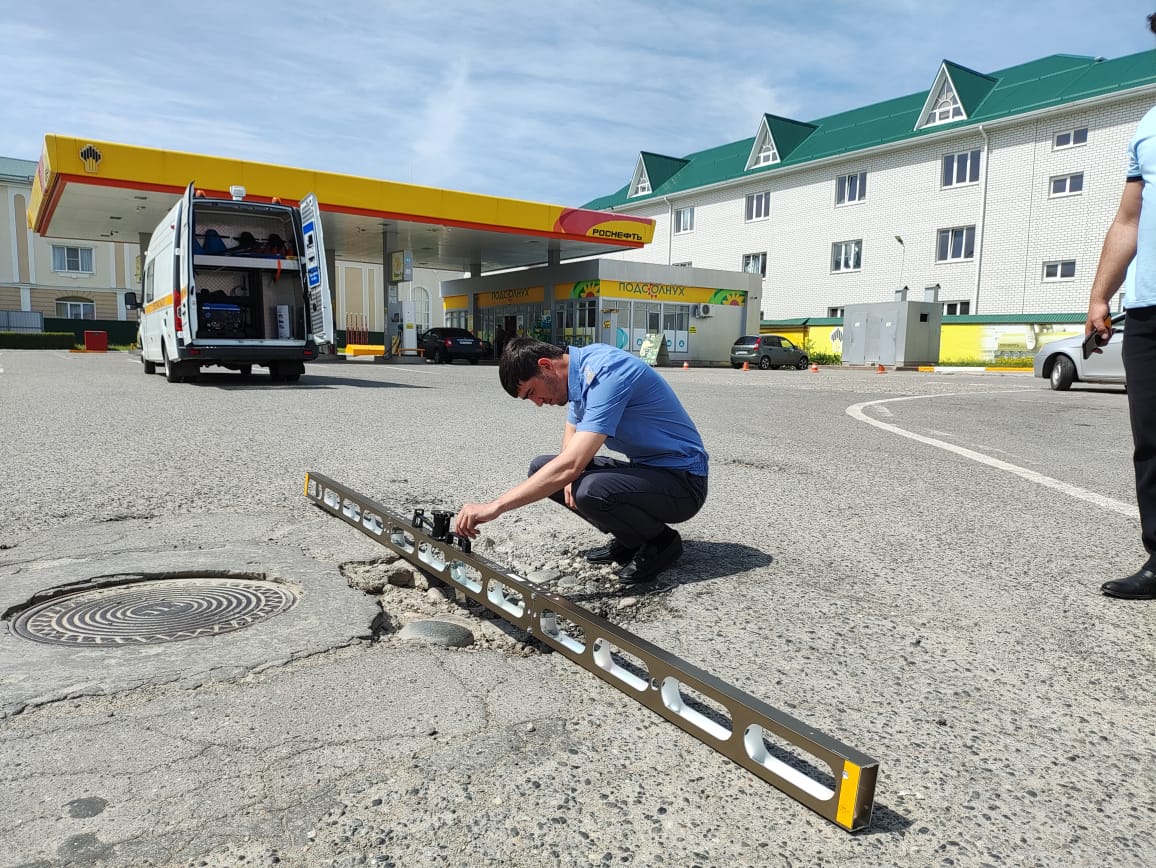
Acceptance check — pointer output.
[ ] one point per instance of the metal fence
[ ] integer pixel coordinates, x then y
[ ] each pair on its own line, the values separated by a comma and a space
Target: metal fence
21, 321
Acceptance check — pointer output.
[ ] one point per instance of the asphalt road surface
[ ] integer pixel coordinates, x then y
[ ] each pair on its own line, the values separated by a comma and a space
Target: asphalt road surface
908, 562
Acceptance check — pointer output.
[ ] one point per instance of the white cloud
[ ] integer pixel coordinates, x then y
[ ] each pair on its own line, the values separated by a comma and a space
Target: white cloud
545, 102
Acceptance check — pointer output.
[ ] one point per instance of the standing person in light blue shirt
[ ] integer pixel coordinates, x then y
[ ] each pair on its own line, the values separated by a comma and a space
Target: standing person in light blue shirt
1133, 234
617, 400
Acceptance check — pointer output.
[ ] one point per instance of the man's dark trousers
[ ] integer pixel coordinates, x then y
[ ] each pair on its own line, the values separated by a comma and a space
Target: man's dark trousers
1139, 353
632, 502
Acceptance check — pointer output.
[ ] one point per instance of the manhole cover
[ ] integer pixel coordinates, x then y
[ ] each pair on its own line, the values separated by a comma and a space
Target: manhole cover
144, 613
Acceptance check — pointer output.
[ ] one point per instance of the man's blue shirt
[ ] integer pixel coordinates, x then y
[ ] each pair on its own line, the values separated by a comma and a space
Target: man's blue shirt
614, 393
1141, 289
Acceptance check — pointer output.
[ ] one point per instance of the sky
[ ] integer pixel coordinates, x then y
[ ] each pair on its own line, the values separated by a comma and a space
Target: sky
545, 101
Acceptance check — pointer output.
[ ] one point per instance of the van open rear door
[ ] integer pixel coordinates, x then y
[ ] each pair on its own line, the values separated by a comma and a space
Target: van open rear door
184, 244
316, 278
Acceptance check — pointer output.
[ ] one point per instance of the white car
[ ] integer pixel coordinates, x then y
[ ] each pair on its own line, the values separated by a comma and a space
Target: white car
1062, 362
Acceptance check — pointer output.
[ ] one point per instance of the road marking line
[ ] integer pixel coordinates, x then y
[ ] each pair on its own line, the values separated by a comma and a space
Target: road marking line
856, 412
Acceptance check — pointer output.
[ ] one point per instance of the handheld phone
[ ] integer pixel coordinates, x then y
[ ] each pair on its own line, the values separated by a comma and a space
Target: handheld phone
1094, 341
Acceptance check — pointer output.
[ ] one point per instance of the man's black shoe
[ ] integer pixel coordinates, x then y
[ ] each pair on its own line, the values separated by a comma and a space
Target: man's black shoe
653, 558
613, 552
1139, 586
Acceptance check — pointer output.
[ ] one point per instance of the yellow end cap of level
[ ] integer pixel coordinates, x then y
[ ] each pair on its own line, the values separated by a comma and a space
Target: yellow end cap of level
848, 790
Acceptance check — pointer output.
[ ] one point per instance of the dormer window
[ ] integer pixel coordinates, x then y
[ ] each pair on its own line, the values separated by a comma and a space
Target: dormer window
766, 154
640, 183
947, 107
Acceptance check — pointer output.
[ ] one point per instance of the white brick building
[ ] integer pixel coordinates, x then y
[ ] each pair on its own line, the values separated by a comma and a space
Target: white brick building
998, 188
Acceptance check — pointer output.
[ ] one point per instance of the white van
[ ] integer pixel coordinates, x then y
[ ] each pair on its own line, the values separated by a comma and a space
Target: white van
236, 284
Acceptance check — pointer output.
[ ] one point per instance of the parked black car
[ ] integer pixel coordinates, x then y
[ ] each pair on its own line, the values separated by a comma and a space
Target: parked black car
444, 344
768, 351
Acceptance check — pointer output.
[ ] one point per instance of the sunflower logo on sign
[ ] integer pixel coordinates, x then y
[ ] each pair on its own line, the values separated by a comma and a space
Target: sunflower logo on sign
91, 157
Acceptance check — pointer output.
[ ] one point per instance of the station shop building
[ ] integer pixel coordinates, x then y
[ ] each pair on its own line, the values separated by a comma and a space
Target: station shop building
700, 312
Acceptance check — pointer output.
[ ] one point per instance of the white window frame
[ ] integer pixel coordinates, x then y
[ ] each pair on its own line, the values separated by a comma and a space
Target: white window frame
87, 309
844, 185
758, 207
971, 163
947, 107
1071, 135
957, 308
835, 311
1067, 183
1058, 267
683, 220
847, 256
952, 232
766, 155
63, 254
751, 258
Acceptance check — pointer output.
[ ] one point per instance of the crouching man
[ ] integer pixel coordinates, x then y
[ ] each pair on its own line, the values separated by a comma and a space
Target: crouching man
614, 398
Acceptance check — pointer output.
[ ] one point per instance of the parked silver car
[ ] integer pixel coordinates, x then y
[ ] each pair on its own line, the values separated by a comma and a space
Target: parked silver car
1062, 362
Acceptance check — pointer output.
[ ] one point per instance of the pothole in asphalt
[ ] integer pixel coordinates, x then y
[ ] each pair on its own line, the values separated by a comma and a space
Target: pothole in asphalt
143, 611
408, 595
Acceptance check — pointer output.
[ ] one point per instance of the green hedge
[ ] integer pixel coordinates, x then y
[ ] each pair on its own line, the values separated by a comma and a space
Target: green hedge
119, 331
37, 340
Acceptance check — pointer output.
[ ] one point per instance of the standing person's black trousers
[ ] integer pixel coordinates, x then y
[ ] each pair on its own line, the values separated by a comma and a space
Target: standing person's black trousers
1139, 353
632, 502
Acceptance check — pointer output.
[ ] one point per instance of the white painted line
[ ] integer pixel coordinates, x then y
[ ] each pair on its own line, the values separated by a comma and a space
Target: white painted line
856, 412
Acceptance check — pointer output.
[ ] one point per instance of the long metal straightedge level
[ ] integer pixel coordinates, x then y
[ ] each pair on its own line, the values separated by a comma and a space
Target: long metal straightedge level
830, 778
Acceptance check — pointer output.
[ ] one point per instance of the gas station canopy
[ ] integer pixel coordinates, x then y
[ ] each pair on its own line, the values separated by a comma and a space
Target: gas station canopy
101, 191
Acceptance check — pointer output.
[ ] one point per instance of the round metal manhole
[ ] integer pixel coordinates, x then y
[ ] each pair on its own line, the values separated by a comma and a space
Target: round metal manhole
150, 612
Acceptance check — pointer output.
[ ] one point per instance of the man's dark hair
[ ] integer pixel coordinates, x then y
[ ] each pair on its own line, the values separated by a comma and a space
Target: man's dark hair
519, 361
1152, 22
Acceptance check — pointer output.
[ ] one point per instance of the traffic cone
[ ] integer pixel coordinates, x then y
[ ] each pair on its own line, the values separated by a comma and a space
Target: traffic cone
814, 368
686, 366
746, 366
879, 369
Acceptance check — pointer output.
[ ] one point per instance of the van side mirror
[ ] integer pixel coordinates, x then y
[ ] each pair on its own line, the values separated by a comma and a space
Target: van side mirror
130, 302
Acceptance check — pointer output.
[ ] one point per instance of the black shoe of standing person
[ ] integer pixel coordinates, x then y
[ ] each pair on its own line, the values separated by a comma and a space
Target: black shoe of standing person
1139, 586
654, 557
613, 552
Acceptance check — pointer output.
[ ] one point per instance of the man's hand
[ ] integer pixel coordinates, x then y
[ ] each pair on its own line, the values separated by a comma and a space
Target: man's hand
568, 495
472, 514
1099, 320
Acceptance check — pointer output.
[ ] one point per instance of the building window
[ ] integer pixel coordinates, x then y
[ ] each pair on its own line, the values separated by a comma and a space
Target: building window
755, 263
1070, 139
1064, 269
851, 188
957, 243
72, 260
847, 255
767, 154
947, 107
75, 308
683, 220
758, 206
961, 168
953, 308
422, 308
686, 264
1067, 185
834, 311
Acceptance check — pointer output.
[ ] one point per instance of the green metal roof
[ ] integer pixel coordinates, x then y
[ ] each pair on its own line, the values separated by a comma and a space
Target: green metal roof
13, 168
1044, 83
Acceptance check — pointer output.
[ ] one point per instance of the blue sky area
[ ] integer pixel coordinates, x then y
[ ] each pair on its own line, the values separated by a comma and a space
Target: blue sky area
543, 101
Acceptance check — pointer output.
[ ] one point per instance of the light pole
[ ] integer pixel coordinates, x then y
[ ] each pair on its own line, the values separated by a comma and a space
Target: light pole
902, 257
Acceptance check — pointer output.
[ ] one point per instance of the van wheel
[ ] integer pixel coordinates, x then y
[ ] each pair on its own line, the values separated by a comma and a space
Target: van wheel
149, 367
170, 368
